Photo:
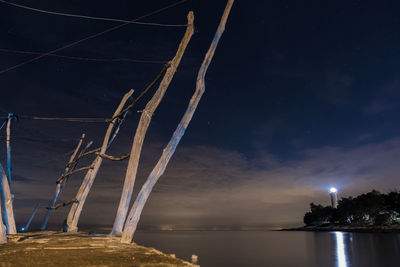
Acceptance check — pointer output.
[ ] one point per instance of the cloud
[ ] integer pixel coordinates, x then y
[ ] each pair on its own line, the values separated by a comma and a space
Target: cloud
224, 187
206, 185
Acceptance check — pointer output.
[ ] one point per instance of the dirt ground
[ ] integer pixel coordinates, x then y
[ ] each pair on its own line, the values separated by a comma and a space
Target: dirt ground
79, 249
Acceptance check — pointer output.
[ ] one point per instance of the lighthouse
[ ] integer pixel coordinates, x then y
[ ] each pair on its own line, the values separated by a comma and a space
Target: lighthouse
334, 199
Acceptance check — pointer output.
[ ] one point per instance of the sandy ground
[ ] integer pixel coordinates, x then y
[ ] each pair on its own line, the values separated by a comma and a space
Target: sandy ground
79, 249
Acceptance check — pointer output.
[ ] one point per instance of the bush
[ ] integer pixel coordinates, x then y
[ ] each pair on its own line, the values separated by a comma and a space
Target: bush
383, 219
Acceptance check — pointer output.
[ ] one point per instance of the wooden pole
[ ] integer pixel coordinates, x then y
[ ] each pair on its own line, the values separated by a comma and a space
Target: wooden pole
76, 208
8, 139
3, 231
8, 211
143, 125
28, 224
60, 185
138, 205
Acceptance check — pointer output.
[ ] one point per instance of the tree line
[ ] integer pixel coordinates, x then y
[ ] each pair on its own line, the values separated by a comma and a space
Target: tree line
372, 208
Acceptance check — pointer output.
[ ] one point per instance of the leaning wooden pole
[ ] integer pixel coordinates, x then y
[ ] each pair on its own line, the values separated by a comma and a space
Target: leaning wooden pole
8, 211
143, 125
3, 231
8, 144
28, 224
138, 205
60, 184
76, 208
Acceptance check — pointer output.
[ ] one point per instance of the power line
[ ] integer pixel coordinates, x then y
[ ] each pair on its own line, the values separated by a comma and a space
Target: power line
90, 17
85, 58
59, 119
65, 119
124, 111
90, 37
151, 85
4, 123
34, 139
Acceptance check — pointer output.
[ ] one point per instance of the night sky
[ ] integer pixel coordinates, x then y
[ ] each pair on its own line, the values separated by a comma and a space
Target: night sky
300, 96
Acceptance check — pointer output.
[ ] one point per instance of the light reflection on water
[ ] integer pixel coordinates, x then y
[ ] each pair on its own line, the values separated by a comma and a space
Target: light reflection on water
341, 254
277, 248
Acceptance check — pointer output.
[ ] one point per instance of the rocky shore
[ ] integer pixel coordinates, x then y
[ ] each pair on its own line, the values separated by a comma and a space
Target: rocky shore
79, 249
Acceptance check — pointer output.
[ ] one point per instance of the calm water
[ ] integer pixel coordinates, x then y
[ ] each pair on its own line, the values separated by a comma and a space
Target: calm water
278, 249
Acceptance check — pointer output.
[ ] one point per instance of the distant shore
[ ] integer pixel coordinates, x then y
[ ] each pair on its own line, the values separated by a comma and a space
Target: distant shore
346, 228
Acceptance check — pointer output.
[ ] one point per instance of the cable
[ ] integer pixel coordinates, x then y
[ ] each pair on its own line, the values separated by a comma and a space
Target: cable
124, 111
90, 37
4, 123
61, 119
65, 119
43, 140
151, 85
85, 58
90, 17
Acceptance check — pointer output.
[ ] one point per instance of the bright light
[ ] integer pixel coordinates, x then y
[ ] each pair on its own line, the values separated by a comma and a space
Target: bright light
340, 250
333, 190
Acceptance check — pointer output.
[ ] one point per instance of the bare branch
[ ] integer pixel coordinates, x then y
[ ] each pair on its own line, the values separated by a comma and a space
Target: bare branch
72, 172
62, 204
71, 224
105, 156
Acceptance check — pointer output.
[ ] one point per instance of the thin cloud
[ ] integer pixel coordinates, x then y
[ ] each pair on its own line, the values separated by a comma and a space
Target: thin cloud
211, 186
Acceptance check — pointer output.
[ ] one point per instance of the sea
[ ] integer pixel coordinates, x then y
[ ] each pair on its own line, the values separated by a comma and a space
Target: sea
277, 248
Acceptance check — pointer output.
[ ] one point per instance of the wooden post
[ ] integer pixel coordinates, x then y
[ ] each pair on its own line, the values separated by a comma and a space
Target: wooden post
138, 205
60, 185
8, 211
28, 224
76, 208
3, 231
8, 131
143, 125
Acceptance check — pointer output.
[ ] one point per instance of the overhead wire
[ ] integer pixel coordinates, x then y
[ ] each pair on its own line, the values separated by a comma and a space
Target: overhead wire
90, 37
34, 139
151, 85
64, 119
91, 17
85, 58
4, 123
102, 120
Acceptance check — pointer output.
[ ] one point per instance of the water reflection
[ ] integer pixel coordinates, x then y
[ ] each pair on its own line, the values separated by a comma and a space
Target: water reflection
277, 248
340, 250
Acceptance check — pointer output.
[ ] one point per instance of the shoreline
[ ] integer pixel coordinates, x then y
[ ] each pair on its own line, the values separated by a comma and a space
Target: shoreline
354, 229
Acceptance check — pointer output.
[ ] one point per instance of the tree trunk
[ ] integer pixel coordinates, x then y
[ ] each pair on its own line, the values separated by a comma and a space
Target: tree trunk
8, 211
138, 205
60, 185
141, 130
76, 208
8, 139
3, 234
